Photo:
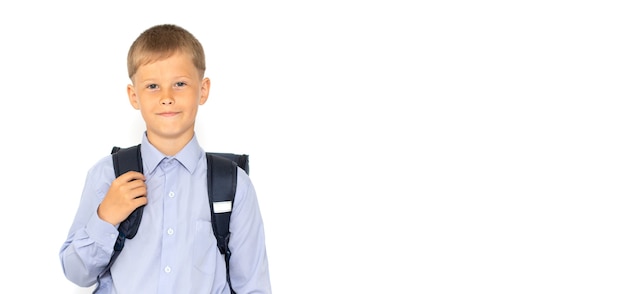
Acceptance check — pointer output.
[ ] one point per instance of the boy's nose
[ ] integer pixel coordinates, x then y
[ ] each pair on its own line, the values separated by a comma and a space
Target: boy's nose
167, 99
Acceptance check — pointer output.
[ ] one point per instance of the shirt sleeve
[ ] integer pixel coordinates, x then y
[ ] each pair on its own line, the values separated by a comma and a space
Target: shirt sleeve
89, 245
248, 263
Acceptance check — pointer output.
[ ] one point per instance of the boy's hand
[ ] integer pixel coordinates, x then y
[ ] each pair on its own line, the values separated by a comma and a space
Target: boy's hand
126, 193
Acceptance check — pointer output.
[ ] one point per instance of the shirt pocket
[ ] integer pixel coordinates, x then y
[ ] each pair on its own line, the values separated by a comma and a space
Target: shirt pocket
205, 252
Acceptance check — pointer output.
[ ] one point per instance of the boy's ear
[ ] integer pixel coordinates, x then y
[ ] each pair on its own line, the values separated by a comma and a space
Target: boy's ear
132, 96
204, 90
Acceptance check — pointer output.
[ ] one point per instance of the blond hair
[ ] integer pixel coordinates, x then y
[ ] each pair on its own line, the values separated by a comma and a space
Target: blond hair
162, 41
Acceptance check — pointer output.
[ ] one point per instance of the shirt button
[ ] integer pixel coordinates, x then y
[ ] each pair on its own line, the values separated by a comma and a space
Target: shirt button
171, 194
170, 231
167, 269
113, 236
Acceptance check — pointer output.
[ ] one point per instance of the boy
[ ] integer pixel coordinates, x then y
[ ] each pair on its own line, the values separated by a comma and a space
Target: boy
174, 250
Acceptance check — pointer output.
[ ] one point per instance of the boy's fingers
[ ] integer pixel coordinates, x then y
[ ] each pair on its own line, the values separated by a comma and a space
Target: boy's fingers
135, 189
131, 175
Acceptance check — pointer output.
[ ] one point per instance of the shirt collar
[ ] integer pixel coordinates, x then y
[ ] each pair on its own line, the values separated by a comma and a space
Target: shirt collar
188, 156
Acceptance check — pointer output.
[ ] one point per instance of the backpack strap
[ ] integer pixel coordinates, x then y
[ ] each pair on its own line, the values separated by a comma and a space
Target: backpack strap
222, 184
124, 160
240, 159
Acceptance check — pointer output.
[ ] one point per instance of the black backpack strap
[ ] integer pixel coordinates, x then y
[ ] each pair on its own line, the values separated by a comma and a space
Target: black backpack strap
222, 184
124, 160
240, 159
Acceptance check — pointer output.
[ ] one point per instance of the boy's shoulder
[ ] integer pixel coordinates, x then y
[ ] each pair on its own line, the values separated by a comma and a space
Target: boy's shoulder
101, 173
104, 163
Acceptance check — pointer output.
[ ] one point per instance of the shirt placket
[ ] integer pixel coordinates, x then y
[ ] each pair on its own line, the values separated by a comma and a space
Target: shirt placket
168, 253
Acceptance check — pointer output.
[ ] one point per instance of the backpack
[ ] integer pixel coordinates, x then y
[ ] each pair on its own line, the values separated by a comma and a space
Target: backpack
221, 186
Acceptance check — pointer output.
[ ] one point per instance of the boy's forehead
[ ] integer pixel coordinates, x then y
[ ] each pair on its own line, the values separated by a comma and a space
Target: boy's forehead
177, 64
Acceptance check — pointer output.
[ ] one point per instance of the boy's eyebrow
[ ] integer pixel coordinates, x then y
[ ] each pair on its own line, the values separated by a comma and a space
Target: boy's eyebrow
156, 80
182, 76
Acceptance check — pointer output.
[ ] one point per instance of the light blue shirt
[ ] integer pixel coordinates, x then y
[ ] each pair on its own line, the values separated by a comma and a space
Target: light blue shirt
174, 250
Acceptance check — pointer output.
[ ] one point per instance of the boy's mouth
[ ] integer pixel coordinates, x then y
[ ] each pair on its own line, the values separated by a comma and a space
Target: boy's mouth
168, 114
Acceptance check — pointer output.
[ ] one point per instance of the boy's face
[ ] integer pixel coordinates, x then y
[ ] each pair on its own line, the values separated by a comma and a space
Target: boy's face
168, 93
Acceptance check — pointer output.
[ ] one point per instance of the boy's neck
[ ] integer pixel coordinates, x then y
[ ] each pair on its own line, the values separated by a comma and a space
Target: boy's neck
169, 146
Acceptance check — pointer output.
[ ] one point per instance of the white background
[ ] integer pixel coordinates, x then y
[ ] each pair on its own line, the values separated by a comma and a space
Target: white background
413, 147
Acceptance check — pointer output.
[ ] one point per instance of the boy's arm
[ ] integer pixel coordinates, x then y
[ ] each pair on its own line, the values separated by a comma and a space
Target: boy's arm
248, 263
86, 252
89, 245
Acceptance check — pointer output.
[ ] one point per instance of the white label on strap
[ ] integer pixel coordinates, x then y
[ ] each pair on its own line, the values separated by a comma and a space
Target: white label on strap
223, 206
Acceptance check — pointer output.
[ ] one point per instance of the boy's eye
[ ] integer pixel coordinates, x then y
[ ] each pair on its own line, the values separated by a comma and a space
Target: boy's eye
152, 86
180, 84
